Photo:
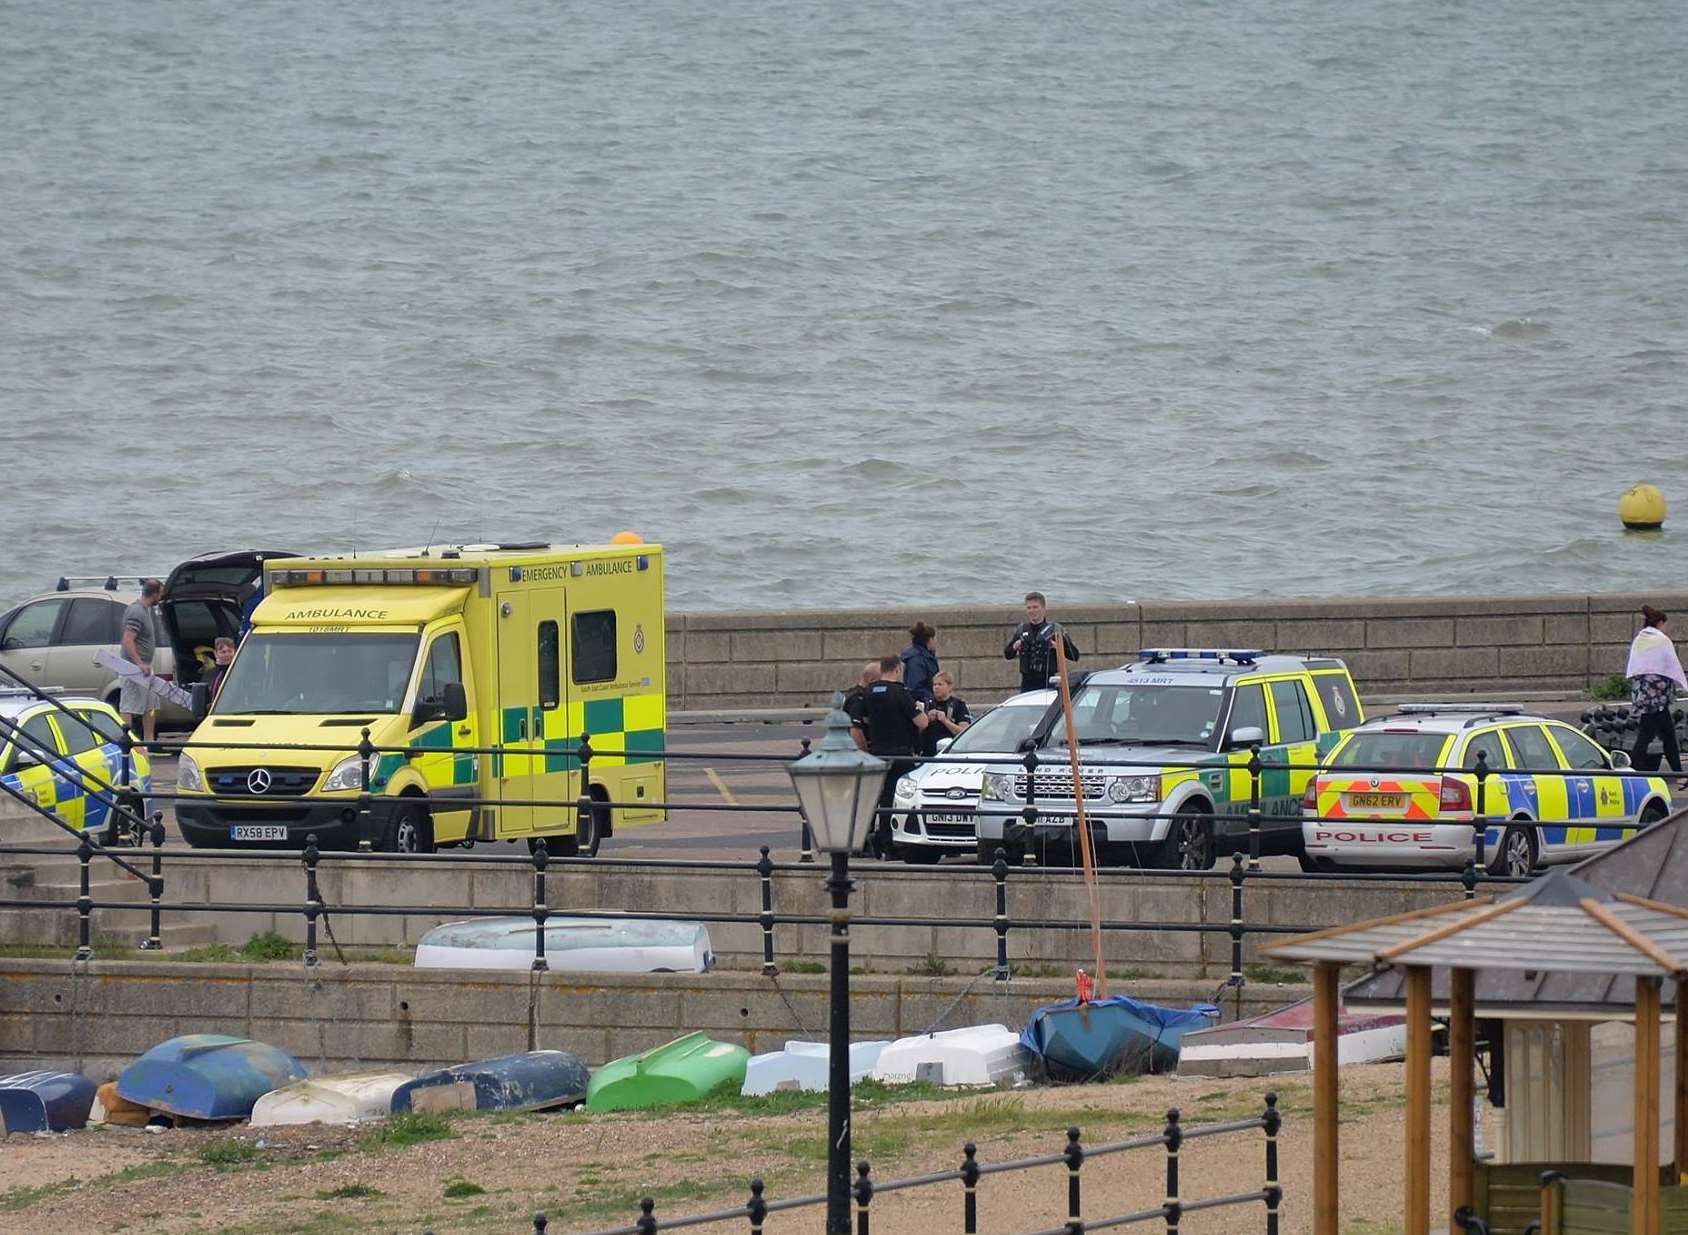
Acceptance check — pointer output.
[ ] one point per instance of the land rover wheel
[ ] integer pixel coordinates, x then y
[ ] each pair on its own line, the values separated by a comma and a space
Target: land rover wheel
1188, 844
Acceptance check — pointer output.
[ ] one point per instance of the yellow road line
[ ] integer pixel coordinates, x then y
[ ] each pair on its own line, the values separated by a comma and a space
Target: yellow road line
720, 786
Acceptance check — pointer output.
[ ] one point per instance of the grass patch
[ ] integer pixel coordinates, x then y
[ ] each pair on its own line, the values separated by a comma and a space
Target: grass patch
457, 1189
269, 946
1613, 686
229, 1155
14, 1199
210, 953
1267, 975
931, 966
802, 967
351, 1192
613, 1202
408, 1128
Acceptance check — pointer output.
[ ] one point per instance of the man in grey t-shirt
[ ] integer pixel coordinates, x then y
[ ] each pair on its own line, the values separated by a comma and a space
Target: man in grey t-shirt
140, 638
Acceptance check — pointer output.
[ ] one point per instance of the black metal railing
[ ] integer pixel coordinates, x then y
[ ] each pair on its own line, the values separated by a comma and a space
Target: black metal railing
1078, 1160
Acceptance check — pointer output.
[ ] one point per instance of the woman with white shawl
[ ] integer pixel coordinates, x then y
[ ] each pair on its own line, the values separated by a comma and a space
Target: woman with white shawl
1655, 675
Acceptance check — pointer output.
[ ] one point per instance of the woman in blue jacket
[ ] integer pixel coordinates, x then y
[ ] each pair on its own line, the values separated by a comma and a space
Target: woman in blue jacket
920, 662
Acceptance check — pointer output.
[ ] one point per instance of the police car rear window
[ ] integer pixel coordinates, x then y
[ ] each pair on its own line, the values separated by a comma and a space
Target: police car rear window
1391, 750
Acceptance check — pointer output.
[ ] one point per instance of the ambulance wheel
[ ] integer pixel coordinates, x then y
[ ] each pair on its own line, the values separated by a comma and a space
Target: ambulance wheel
589, 831
1517, 855
411, 830
1188, 844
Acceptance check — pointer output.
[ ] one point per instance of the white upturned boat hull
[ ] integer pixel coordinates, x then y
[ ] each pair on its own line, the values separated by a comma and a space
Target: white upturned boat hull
350, 1098
804, 1065
1282, 1041
588, 945
977, 1055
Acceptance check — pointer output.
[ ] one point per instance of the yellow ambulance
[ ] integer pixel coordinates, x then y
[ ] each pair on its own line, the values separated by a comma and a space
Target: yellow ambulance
478, 671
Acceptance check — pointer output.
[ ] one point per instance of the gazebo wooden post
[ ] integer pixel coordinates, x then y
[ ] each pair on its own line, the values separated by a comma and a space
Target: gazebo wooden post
1326, 1112
1462, 1049
1418, 1101
1679, 1157
1644, 1212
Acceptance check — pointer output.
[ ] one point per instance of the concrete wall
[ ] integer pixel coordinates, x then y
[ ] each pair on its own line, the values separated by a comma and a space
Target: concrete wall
1457, 644
1035, 899
340, 1018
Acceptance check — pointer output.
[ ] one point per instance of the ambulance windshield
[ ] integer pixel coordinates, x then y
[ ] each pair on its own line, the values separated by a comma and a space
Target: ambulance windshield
1146, 715
318, 675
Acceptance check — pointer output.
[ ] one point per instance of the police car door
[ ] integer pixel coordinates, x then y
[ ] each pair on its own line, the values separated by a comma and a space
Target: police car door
1548, 797
40, 772
1602, 798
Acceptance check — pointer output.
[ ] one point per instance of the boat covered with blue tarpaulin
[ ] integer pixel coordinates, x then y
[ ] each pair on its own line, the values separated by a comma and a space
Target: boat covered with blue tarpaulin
1080, 1040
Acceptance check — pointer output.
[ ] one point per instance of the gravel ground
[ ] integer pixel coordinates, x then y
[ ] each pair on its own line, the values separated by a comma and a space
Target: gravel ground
494, 1172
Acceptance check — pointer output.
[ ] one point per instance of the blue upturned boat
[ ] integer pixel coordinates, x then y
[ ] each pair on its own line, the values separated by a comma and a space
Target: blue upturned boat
528, 1081
44, 1101
207, 1076
1111, 1037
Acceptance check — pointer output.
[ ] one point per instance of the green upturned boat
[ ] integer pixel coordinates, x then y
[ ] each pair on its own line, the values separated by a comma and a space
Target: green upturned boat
685, 1070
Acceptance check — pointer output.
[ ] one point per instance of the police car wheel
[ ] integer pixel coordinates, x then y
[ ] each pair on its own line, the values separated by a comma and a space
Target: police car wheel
1517, 857
1654, 812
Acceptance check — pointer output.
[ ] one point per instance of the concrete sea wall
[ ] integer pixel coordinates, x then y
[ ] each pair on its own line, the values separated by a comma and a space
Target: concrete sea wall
1459, 644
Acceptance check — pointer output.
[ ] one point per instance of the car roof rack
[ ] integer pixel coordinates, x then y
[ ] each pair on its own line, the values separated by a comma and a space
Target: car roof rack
108, 583
29, 692
1460, 709
1223, 656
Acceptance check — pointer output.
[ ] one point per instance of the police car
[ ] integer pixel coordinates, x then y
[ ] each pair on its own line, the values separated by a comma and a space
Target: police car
935, 810
1165, 746
65, 756
1401, 792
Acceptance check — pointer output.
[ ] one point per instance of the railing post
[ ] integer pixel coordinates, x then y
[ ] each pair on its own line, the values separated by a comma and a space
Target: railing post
969, 1189
1174, 1139
1254, 807
366, 755
313, 900
539, 1224
999, 872
1468, 877
84, 901
583, 808
1030, 812
155, 885
125, 780
541, 856
756, 1207
1272, 1120
864, 1196
1074, 1154
1481, 822
1237, 876
807, 842
647, 1217
765, 871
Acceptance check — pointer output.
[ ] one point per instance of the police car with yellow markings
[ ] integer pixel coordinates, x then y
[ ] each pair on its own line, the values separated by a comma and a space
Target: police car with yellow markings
485, 666
1165, 745
1402, 792
65, 756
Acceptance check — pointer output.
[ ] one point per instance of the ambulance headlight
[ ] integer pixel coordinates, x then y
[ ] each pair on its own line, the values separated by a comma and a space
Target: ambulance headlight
1134, 789
347, 774
905, 789
189, 779
997, 787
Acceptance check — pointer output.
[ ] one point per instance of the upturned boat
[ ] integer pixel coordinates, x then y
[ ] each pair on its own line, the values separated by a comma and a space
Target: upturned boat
350, 1097
44, 1101
1086, 1040
805, 1065
975, 1055
209, 1076
1282, 1041
526, 1081
590, 945
685, 1070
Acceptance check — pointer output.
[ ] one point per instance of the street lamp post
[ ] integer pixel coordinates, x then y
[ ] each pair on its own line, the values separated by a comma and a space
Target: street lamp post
838, 790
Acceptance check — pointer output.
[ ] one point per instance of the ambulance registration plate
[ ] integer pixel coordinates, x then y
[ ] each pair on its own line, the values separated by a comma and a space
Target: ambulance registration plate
1375, 801
257, 831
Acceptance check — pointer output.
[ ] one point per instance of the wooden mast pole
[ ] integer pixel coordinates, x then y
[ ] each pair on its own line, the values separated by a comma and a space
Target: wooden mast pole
1087, 857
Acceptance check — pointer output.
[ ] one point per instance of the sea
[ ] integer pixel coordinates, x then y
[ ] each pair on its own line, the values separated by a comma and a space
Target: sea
887, 302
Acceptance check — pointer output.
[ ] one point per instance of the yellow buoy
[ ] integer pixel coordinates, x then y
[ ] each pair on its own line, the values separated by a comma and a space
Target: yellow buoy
633, 538
1642, 509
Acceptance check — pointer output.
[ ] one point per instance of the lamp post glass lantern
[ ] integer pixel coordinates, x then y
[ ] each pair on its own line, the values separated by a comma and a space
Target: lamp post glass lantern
838, 789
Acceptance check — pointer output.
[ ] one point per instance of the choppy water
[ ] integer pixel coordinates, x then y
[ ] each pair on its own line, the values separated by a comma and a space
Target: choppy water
853, 303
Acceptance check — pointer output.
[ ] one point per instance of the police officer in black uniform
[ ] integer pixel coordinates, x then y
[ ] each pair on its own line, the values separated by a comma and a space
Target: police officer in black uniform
1033, 642
892, 723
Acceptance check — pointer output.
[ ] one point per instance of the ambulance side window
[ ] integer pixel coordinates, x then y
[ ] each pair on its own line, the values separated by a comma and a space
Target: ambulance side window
1295, 718
445, 666
550, 667
1248, 710
594, 646
1342, 709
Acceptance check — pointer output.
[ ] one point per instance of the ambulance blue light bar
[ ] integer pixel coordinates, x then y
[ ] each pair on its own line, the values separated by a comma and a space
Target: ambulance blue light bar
1235, 656
454, 576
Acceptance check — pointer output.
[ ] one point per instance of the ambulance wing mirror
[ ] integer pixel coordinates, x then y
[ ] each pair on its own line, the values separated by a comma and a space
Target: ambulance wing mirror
456, 701
453, 704
1247, 735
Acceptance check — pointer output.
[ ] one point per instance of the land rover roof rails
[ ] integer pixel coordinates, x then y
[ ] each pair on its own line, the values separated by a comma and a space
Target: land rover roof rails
1460, 709
109, 583
1231, 656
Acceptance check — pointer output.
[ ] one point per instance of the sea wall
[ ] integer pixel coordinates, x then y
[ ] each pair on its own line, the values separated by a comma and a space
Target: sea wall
1482, 645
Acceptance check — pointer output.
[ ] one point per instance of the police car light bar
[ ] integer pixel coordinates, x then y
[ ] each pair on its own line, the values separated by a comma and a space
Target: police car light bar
456, 576
1430, 709
1238, 656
